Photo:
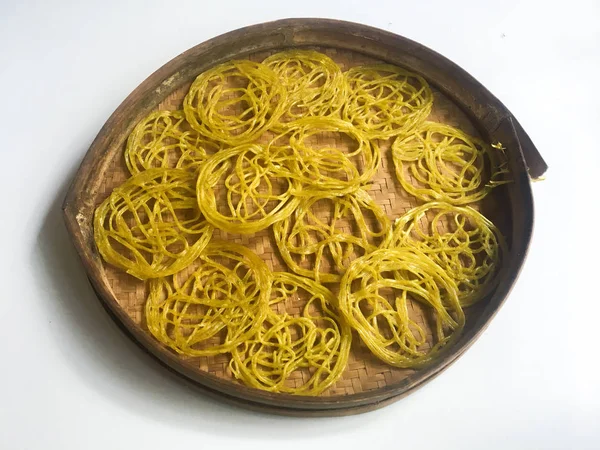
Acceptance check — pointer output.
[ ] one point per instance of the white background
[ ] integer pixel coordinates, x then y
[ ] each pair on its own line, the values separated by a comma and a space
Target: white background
70, 380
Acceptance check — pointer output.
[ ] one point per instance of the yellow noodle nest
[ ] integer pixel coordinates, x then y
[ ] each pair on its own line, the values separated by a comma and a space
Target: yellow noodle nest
165, 139
383, 324
330, 228
325, 166
151, 226
385, 100
446, 164
297, 355
235, 102
227, 294
466, 245
249, 190
314, 83
294, 143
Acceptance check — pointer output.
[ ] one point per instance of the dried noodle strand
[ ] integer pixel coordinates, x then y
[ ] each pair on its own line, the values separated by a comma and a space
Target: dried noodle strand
469, 249
384, 325
328, 168
317, 343
341, 235
151, 226
447, 164
252, 201
165, 139
251, 89
385, 100
314, 82
225, 299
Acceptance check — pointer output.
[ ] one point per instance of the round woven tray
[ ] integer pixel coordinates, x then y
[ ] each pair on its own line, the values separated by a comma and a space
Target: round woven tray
366, 383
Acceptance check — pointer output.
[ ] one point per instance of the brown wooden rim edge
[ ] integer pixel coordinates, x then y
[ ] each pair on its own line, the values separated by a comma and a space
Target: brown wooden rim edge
493, 119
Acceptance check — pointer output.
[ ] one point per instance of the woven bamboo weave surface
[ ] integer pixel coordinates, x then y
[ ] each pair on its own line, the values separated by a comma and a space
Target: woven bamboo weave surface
364, 372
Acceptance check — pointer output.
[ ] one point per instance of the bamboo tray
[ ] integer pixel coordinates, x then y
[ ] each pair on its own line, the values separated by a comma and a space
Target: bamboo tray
459, 100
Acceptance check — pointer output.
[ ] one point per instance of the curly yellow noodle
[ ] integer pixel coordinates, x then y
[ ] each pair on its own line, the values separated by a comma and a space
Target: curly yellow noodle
384, 325
216, 307
245, 174
165, 139
446, 164
385, 100
316, 344
235, 102
469, 250
151, 226
341, 234
325, 169
314, 82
